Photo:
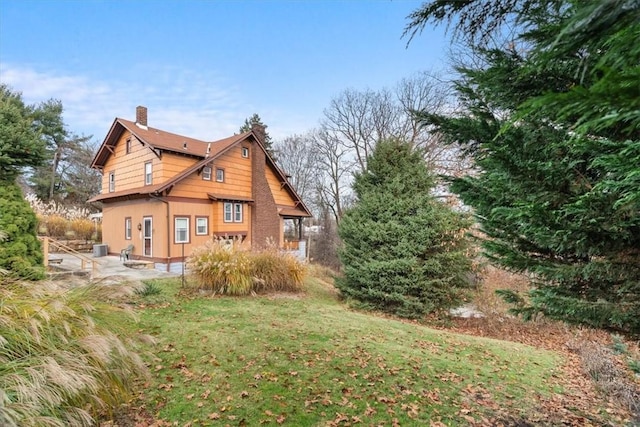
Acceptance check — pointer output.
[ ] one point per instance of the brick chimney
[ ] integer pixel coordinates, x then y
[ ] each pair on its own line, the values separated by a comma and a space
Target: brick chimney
260, 131
141, 115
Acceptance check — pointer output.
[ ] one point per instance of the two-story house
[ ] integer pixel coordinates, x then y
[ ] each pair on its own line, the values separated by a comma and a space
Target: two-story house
166, 194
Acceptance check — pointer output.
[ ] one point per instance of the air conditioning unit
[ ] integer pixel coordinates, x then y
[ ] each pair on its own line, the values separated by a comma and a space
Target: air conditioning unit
100, 250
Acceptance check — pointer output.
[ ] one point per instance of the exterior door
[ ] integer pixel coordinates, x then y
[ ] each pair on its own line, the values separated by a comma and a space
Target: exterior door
146, 236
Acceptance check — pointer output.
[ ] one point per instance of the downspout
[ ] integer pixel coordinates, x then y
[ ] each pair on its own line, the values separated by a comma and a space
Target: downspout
168, 230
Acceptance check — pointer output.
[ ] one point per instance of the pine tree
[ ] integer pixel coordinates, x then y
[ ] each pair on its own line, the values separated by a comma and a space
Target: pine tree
20, 142
256, 120
404, 252
552, 123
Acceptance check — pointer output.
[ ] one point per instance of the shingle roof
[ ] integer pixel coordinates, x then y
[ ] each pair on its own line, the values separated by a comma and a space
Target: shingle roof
158, 139
162, 140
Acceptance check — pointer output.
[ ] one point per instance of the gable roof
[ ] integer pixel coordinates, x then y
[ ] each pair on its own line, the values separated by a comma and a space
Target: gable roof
159, 140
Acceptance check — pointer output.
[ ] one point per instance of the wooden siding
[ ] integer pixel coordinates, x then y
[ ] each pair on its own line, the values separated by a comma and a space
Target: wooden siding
237, 178
280, 194
191, 211
113, 225
129, 168
232, 228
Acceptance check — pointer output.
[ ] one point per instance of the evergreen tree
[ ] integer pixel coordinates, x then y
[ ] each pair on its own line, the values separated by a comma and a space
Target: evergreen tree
20, 142
552, 123
403, 251
66, 174
256, 120
20, 251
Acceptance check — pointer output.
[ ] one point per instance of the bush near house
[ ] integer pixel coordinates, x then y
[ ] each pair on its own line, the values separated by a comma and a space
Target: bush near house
20, 251
226, 268
57, 226
273, 270
82, 228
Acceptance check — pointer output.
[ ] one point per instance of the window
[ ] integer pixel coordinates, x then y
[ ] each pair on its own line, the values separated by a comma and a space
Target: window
112, 182
148, 173
228, 212
220, 175
237, 212
128, 145
182, 230
232, 212
245, 152
127, 228
202, 226
206, 173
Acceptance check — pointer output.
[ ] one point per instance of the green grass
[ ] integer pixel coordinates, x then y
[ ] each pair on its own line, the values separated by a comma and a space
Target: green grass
310, 361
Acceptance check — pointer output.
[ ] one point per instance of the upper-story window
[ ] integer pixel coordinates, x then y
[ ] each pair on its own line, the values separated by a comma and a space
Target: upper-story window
220, 175
128, 146
206, 173
148, 173
112, 182
245, 152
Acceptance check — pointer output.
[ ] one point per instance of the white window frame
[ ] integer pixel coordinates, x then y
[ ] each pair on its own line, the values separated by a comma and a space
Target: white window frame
112, 182
245, 152
219, 175
227, 212
127, 228
176, 229
237, 212
148, 173
205, 221
206, 173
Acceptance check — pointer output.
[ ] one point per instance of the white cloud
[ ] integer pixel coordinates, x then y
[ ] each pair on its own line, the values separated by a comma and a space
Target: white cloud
197, 105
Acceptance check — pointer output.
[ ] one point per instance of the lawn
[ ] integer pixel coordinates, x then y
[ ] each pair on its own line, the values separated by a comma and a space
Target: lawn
307, 360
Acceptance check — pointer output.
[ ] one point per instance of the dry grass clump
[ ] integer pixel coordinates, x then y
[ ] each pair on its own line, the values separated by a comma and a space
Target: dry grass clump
62, 362
57, 226
274, 270
226, 268
222, 268
83, 228
601, 365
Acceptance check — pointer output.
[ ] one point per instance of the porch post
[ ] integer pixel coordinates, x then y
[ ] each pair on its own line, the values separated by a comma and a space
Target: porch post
299, 228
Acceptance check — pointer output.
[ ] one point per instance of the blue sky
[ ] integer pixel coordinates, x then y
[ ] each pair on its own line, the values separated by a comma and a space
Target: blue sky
202, 67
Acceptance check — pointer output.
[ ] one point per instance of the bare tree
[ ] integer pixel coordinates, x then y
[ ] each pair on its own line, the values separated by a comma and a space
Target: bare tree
296, 156
350, 116
334, 166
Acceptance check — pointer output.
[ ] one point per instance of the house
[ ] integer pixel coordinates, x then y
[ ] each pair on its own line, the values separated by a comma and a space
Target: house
166, 194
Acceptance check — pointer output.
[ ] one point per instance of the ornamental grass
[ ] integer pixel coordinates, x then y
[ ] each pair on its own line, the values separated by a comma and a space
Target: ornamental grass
63, 359
224, 267
274, 270
221, 267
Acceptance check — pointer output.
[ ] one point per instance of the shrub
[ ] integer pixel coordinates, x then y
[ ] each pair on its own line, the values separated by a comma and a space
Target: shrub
20, 251
403, 252
221, 267
273, 270
149, 288
83, 228
57, 226
228, 269
61, 361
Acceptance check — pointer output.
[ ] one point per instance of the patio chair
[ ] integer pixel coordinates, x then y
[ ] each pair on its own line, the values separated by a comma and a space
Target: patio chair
126, 252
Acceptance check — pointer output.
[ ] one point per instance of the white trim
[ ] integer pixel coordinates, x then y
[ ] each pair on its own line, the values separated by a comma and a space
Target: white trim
175, 229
